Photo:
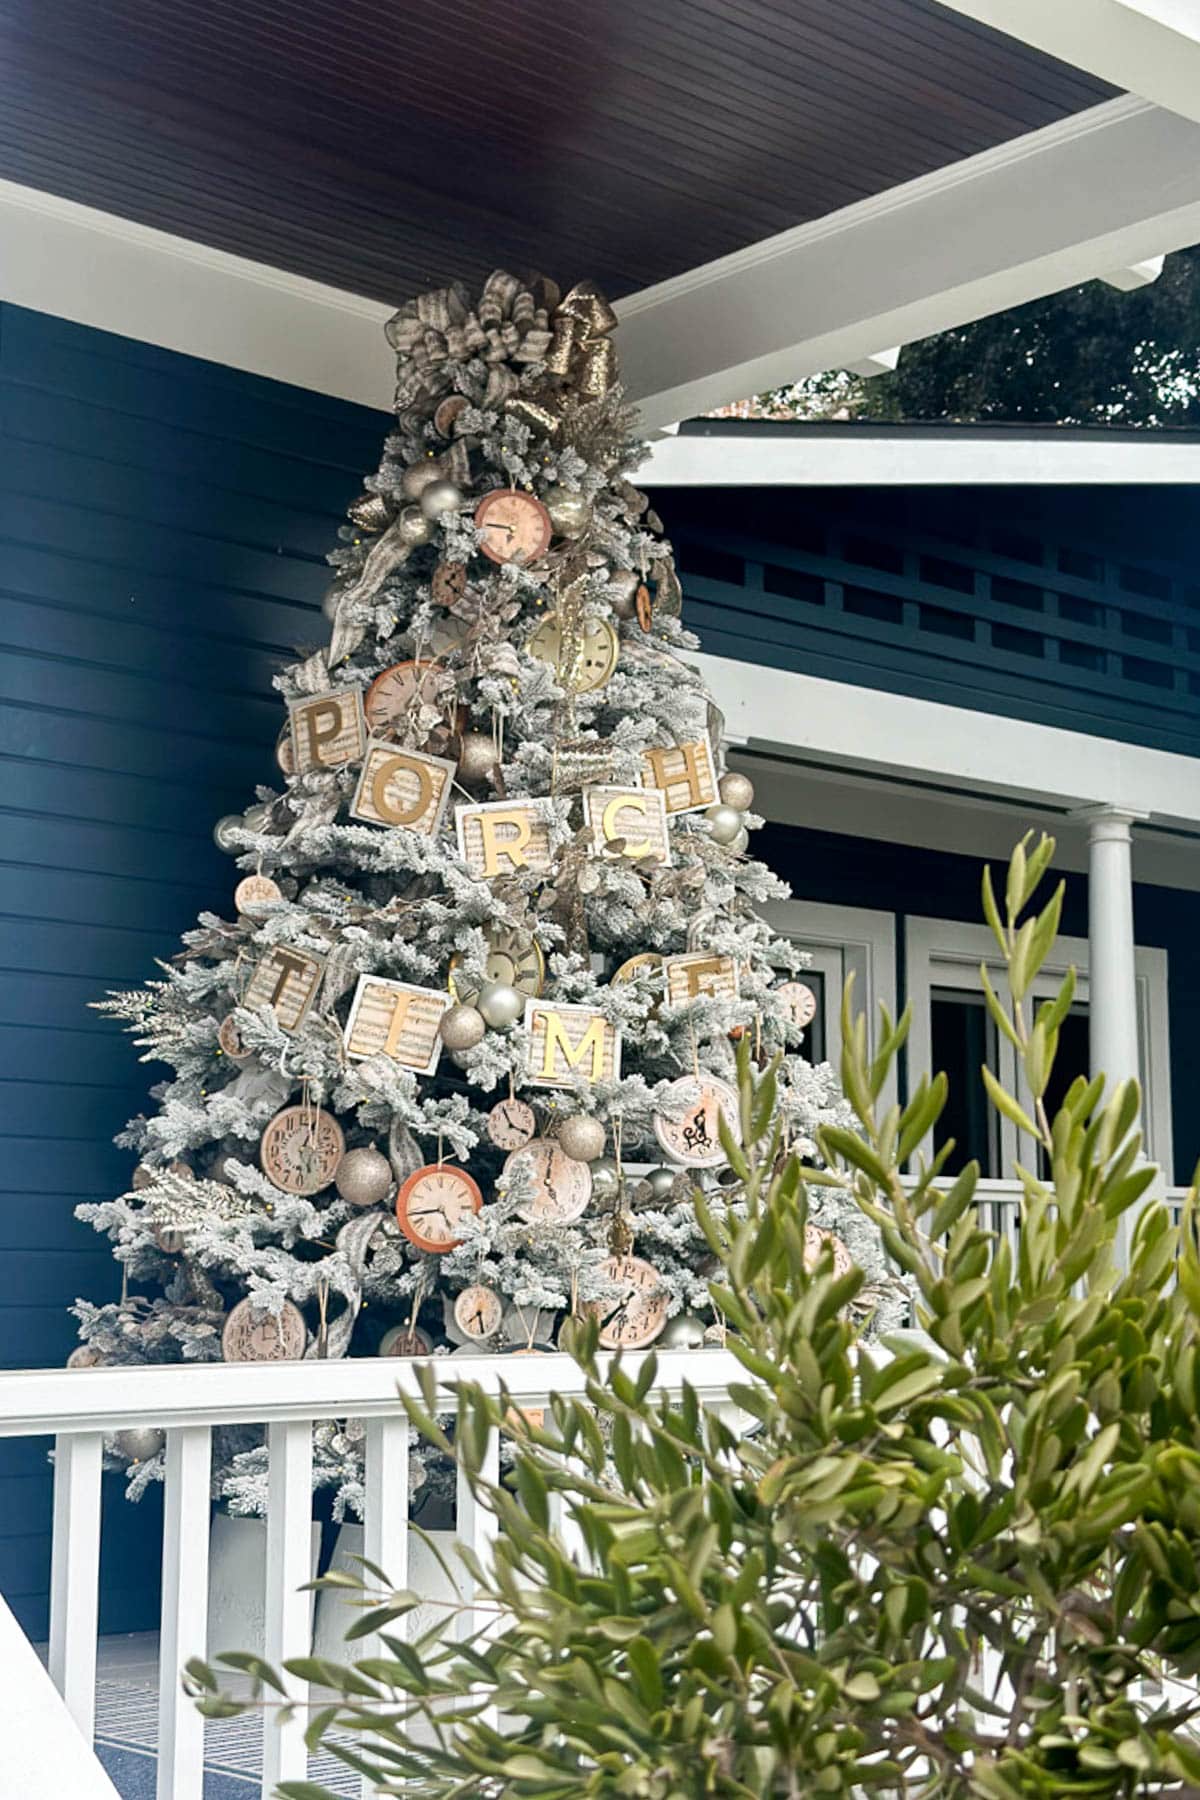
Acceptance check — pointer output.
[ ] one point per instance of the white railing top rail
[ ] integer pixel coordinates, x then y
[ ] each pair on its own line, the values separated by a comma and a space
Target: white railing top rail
38, 1401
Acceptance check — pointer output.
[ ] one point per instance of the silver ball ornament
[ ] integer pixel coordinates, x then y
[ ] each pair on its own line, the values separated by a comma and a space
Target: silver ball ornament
476, 756
661, 1182
623, 585
255, 817
741, 843
440, 497
462, 1027
736, 790
684, 1332
582, 1137
418, 476
364, 1176
500, 1004
724, 823
414, 528
139, 1443
222, 833
569, 510
605, 1180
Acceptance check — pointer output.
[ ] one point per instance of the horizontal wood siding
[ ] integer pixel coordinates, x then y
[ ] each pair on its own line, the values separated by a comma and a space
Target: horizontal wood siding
163, 526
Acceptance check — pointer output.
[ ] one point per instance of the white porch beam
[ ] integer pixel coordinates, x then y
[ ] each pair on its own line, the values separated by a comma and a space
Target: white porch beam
1053, 208
1136, 275
1149, 47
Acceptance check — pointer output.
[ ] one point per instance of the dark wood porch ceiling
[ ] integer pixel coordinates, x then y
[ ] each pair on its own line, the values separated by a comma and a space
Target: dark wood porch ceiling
387, 147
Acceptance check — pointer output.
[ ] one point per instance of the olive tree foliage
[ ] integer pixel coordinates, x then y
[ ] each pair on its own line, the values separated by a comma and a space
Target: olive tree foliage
962, 1563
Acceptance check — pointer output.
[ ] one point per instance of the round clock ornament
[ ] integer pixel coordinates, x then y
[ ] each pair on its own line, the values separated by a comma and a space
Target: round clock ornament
255, 893
649, 962
799, 1002
693, 1137
512, 1124
478, 1312
446, 412
397, 694
285, 751
592, 666
561, 1187
515, 527
448, 583
514, 959
640, 1315
433, 1204
301, 1148
404, 1340
815, 1241
252, 1335
229, 1039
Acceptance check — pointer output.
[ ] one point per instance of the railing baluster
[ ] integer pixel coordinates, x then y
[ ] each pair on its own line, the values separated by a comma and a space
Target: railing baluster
477, 1530
385, 1525
75, 1573
184, 1610
289, 1566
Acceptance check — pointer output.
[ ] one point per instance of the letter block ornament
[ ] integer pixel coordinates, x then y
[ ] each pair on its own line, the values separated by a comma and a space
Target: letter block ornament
285, 980
327, 729
393, 1018
700, 973
402, 787
498, 837
634, 818
686, 774
566, 1042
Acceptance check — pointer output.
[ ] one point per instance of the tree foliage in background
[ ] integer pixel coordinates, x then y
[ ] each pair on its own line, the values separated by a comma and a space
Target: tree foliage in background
968, 1568
1087, 356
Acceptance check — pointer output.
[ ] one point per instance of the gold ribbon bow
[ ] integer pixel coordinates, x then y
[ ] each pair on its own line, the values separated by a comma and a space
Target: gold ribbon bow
581, 352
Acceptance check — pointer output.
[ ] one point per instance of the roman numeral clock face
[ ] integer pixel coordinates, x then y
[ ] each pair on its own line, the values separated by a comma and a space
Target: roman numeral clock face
434, 1204
636, 1318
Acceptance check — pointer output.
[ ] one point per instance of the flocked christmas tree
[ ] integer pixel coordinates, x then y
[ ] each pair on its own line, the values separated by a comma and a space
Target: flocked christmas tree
453, 1070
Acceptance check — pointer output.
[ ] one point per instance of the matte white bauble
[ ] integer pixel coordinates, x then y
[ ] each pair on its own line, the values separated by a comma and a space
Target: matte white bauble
736, 790
139, 1443
724, 823
570, 511
414, 527
462, 1027
500, 1004
419, 476
582, 1137
223, 832
440, 497
364, 1176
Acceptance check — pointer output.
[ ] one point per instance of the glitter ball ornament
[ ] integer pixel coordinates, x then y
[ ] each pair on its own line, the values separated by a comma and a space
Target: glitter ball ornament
500, 1004
724, 823
139, 1443
419, 476
364, 1176
582, 1137
684, 1332
736, 790
440, 497
462, 1027
414, 527
476, 756
605, 1180
569, 510
223, 832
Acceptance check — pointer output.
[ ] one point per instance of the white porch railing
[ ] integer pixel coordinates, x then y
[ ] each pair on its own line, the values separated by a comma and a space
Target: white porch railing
79, 1406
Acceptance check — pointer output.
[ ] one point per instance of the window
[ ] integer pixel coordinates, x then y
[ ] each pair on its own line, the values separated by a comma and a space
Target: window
842, 941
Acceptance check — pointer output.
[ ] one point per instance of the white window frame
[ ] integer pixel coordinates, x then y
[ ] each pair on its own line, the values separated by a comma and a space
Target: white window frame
843, 940
945, 953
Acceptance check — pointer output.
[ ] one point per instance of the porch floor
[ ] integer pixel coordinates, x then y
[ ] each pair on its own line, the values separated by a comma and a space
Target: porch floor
127, 1732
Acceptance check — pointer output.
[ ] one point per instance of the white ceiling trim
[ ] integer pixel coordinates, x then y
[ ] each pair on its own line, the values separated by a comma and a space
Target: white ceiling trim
1149, 47
862, 457
1108, 188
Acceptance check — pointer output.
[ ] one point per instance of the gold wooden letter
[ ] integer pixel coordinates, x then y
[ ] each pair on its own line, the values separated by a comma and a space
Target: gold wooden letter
556, 1039
690, 975
563, 1040
685, 773
608, 822
328, 729
403, 788
511, 848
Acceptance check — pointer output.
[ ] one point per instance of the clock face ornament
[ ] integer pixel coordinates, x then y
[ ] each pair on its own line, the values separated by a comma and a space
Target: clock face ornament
404, 1340
433, 1204
478, 1312
256, 1336
595, 656
560, 1186
815, 1241
301, 1149
396, 699
513, 957
448, 583
694, 1139
637, 1318
515, 527
511, 1124
799, 1002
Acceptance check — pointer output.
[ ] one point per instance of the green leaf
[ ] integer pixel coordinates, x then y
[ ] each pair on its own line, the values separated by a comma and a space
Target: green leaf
1004, 1103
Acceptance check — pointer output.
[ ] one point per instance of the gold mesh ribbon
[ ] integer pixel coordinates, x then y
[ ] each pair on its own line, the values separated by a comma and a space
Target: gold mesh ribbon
581, 356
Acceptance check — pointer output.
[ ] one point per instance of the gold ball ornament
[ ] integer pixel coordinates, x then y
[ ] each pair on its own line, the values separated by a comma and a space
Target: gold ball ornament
462, 1027
438, 497
415, 528
418, 476
364, 1176
570, 511
476, 757
582, 1137
736, 790
724, 823
223, 833
139, 1443
500, 1004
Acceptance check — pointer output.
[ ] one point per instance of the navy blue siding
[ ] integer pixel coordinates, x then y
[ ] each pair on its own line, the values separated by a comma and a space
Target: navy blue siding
163, 526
